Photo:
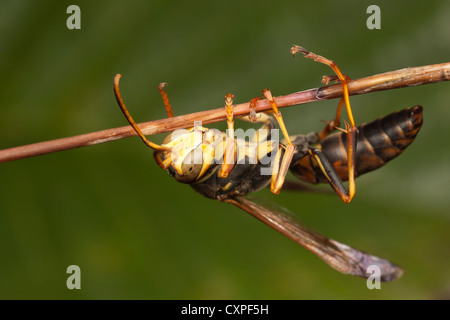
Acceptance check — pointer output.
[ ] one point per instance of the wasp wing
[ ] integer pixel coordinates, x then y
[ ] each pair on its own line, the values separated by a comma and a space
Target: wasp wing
339, 256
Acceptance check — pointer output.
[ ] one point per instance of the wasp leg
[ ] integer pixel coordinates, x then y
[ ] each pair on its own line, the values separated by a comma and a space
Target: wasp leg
252, 117
279, 169
130, 119
327, 79
333, 124
332, 176
229, 155
260, 145
165, 99
343, 79
350, 129
268, 122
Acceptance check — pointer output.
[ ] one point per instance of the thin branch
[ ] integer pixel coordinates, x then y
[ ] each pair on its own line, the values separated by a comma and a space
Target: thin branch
407, 77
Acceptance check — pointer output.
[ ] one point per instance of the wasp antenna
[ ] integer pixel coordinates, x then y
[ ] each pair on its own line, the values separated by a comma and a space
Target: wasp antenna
165, 99
130, 119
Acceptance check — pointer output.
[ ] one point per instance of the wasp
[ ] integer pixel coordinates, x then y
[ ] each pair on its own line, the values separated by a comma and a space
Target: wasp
218, 165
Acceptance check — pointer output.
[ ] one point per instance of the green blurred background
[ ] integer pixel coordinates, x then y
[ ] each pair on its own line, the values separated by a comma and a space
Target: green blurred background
137, 233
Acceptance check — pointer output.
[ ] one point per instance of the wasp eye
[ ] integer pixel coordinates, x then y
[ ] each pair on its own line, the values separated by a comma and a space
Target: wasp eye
191, 167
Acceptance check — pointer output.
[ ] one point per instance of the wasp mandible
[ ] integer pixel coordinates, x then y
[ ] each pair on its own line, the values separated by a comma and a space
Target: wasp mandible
216, 164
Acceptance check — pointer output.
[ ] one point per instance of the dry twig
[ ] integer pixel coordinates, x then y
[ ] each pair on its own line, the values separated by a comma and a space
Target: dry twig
390, 80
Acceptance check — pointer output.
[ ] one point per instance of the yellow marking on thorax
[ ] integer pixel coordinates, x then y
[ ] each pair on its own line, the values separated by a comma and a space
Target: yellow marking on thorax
226, 187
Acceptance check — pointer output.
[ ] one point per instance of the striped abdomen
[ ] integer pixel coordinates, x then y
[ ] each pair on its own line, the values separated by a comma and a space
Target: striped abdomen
378, 142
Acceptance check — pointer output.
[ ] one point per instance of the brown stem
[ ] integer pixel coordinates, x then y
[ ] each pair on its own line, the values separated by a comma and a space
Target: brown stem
390, 80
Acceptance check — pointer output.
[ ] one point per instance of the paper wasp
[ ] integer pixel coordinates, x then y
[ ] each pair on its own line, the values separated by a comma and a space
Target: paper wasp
222, 169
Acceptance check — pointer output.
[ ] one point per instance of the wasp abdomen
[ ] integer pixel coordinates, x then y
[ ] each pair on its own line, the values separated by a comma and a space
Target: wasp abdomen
379, 141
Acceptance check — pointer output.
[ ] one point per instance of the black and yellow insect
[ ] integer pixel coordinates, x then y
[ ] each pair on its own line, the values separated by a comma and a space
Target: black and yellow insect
216, 164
